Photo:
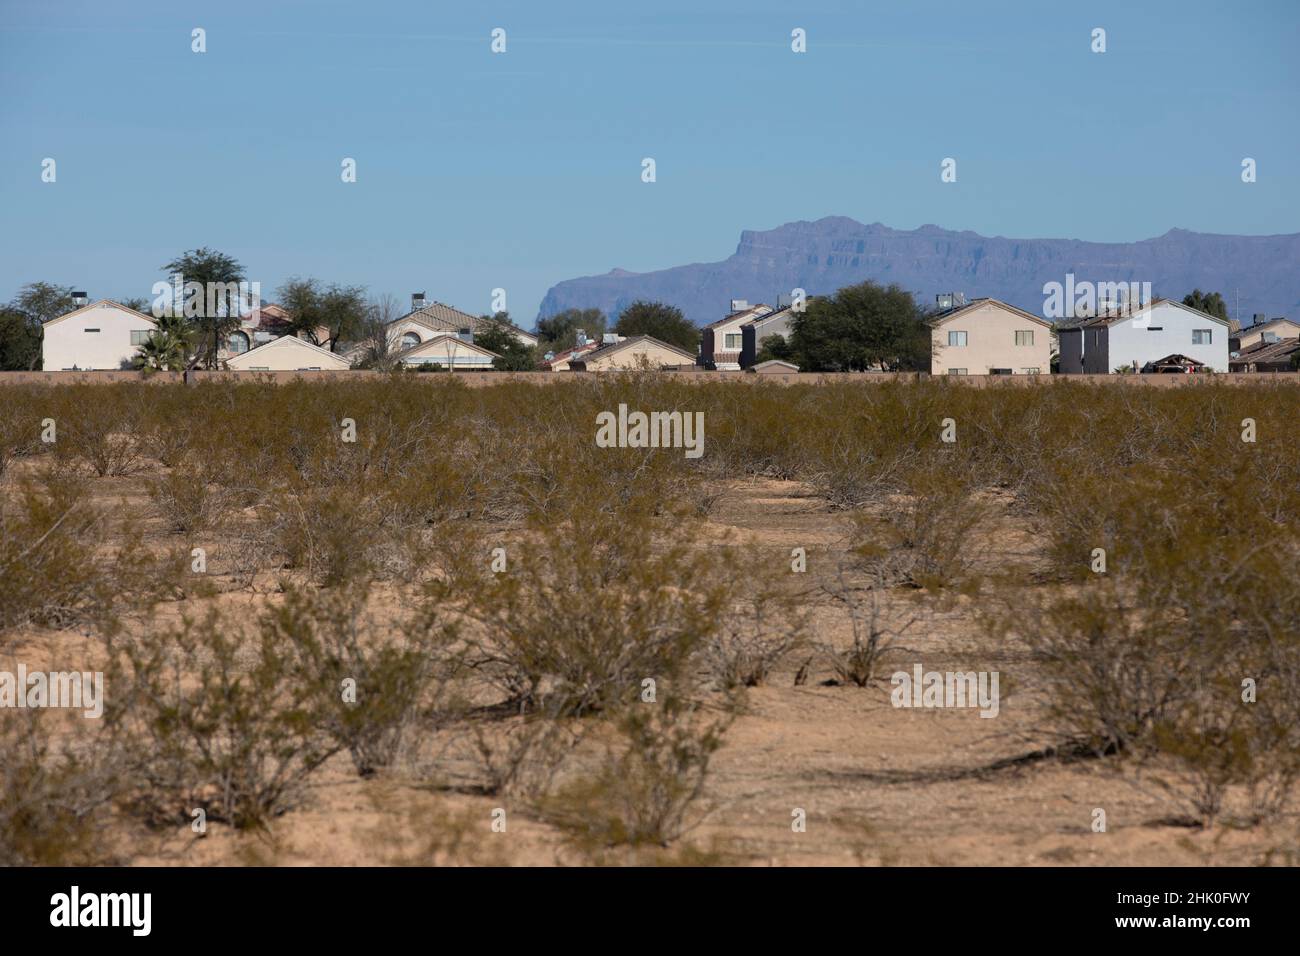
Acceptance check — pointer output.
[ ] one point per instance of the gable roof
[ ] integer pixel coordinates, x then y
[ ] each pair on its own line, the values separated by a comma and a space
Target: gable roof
606, 350
769, 316
92, 305
1266, 352
1265, 326
440, 317
738, 316
1108, 320
427, 346
283, 341
948, 314
773, 364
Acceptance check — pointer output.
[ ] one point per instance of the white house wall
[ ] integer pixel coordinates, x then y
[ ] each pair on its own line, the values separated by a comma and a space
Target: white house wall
1166, 329
67, 344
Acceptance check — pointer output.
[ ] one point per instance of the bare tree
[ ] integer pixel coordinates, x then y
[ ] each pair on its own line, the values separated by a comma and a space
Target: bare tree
379, 339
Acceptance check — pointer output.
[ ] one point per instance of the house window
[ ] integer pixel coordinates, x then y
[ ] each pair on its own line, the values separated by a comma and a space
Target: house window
731, 341
410, 340
90, 330
1025, 338
139, 336
237, 343
1031, 371
1201, 336
957, 338
957, 371
999, 371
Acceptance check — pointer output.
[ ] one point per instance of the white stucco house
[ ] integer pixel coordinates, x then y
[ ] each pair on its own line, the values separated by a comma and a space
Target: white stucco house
1160, 329
287, 354
97, 336
721, 342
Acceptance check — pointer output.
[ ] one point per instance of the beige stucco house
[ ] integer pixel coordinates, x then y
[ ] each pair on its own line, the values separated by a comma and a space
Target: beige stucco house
635, 352
988, 337
287, 354
721, 342
96, 336
450, 352
1274, 330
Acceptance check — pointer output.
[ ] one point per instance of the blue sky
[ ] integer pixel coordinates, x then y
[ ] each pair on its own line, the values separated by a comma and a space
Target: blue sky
478, 170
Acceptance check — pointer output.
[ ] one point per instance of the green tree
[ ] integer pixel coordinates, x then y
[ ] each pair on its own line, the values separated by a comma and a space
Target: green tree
861, 327
495, 335
660, 320
560, 331
772, 347
42, 301
218, 314
318, 311
20, 341
1211, 303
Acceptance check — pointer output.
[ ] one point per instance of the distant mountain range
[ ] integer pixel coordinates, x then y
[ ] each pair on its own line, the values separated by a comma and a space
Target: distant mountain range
822, 256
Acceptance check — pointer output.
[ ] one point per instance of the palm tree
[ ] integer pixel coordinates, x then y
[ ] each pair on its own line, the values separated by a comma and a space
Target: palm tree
168, 347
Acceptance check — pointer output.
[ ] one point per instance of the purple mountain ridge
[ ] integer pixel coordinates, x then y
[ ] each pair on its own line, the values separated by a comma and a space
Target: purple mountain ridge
1255, 274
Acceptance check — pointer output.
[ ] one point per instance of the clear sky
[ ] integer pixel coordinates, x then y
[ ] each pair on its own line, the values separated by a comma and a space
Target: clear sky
478, 170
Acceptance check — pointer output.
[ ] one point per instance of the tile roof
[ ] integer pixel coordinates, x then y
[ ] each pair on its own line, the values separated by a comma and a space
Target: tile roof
605, 350
442, 317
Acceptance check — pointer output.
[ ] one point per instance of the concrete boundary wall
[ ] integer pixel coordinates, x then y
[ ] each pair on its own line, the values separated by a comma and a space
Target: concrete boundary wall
476, 379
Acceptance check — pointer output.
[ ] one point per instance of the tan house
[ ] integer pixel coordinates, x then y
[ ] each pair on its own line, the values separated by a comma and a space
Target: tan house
635, 352
773, 367
721, 342
454, 352
96, 335
754, 331
1274, 330
988, 337
430, 319
287, 354
560, 361
1279, 356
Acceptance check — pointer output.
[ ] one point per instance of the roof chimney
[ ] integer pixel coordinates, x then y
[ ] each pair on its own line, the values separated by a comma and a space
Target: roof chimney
417, 301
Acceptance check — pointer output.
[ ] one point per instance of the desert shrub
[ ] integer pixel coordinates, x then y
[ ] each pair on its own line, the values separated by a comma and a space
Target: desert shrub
49, 569
187, 500
647, 787
332, 639
923, 538
216, 721
758, 631
876, 628
98, 426
330, 534
585, 610
54, 800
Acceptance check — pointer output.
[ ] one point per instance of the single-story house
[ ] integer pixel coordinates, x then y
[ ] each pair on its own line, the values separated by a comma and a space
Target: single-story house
1274, 330
773, 367
559, 362
634, 352
103, 335
287, 354
1102, 344
454, 352
1278, 356
988, 337
721, 342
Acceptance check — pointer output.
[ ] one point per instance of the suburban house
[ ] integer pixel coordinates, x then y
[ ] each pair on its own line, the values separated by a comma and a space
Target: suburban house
560, 361
988, 337
1274, 330
94, 336
1158, 330
773, 367
428, 320
1280, 356
721, 342
269, 321
635, 352
757, 329
287, 354
453, 352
